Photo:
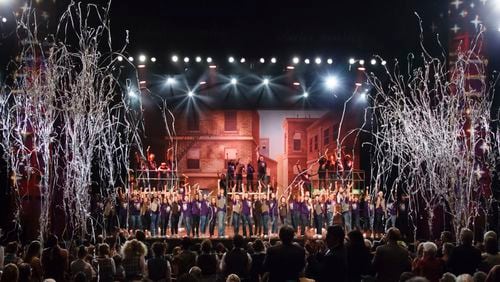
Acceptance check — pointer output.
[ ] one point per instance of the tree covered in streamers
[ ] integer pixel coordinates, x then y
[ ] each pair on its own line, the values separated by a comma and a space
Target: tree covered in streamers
432, 136
65, 118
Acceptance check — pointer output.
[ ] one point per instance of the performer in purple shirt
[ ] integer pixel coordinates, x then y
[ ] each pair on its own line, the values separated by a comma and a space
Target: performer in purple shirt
265, 214
186, 214
295, 207
212, 216
195, 215
304, 216
221, 213
204, 210
236, 214
246, 215
135, 213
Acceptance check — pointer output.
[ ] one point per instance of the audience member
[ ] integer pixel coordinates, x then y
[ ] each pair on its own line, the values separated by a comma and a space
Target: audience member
207, 260
11, 254
158, 267
24, 272
80, 265
430, 266
32, 257
334, 261
185, 259
391, 259
465, 278
285, 261
491, 256
465, 258
133, 254
448, 277
233, 278
104, 264
237, 260
358, 256
10, 273
54, 260
494, 274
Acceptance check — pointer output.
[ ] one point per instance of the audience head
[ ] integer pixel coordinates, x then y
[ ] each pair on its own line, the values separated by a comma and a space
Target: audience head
448, 277
82, 252
466, 237
429, 249
80, 277
233, 278
405, 276
206, 246
238, 241
134, 248
446, 237
465, 278
24, 272
417, 279
258, 246
334, 236
10, 273
196, 272
186, 243
447, 248
11, 248
489, 234
52, 241
494, 274
491, 245
159, 249
33, 250
368, 244
286, 234
479, 276
140, 235
393, 235
356, 239
103, 249
187, 277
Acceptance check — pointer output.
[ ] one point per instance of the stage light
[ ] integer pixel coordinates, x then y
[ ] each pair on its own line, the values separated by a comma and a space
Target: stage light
212, 67
170, 80
131, 59
198, 59
361, 68
307, 61
290, 67
203, 82
175, 58
262, 60
234, 81
373, 62
242, 60
361, 62
296, 83
329, 61
295, 60
190, 93
153, 59
317, 61
265, 81
231, 60
131, 94
119, 58
384, 63
362, 96
273, 60
186, 59
209, 59
331, 82
352, 61
4, 19
142, 58
305, 94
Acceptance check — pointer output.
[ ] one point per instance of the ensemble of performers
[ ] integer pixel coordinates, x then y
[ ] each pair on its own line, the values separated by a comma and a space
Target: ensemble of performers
260, 214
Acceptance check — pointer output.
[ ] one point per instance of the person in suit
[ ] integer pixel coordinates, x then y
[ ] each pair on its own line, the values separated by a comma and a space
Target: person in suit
334, 261
285, 262
391, 260
465, 258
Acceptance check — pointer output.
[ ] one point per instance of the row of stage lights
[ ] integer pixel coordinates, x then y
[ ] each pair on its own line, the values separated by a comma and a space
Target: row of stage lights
330, 82
232, 60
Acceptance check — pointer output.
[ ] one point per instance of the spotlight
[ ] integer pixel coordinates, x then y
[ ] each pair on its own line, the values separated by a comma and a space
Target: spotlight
290, 67
186, 59
384, 63
242, 60
175, 58
307, 61
142, 58
331, 82
203, 82
329, 61
317, 61
265, 81
361, 62
262, 60
119, 58
4, 19
131, 59
198, 59
305, 94
170, 80
209, 59
234, 81
352, 61
295, 60
131, 93
212, 67
153, 59
190, 94
373, 62
296, 83
273, 60
363, 96
231, 60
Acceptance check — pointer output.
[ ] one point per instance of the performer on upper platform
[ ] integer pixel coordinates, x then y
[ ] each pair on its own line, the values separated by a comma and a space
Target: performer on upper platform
250, 171
261, 167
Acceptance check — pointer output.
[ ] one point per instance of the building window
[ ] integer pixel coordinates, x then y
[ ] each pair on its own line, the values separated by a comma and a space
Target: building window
193, 122
297, 142
310, 145
326, 136
316, 142
230, 121
193, 158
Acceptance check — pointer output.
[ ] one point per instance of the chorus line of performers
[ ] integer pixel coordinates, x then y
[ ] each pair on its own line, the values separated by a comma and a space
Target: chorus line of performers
162, 213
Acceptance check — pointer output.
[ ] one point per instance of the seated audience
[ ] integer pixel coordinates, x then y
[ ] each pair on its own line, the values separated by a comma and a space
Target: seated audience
391, 259
429, 266
465, 258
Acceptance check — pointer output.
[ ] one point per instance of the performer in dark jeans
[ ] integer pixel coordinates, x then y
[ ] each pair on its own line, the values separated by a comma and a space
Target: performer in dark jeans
257, 215
261, 168
239, 175
195, 213
164, 216
212, 216
174, 220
